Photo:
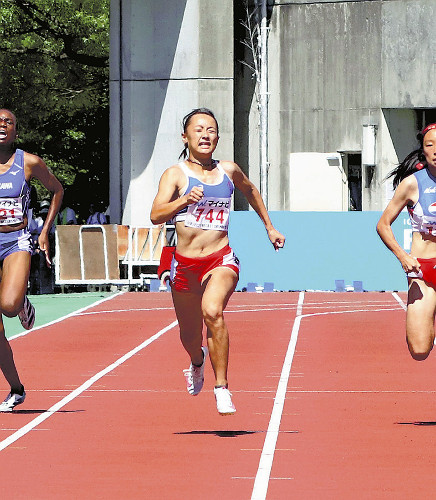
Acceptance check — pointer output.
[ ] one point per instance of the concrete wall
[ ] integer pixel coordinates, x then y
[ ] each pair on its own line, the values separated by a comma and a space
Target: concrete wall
321, 248
163, 64
335, 66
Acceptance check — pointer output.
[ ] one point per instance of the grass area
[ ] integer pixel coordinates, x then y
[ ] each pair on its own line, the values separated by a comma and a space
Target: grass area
51, 307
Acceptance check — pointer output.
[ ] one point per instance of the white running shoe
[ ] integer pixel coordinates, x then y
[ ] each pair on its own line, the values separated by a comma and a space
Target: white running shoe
224, 403
11, 401
195, 375
27, 314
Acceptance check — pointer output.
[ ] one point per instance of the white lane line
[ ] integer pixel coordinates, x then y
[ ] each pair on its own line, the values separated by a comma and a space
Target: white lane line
60, 404
265, 464
399, 300
110, 311
74, 313
264, 470
258, 308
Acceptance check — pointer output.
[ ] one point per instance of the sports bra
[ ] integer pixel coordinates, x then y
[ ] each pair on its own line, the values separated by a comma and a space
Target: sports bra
423, 213
213, 210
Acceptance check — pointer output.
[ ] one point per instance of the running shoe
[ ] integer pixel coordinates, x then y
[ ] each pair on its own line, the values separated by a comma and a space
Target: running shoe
195, 375
224, 403
11, 401
27, 314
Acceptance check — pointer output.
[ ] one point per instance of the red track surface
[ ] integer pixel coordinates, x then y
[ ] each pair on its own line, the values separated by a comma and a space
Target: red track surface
358, 421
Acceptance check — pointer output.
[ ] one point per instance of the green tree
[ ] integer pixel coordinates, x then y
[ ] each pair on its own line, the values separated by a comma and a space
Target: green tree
54, 57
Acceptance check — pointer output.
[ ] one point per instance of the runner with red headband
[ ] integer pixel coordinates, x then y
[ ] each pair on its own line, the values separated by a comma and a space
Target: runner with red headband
415, 183
196, 194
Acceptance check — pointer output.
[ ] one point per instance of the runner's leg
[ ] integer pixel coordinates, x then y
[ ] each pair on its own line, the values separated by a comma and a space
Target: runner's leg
13, 286
7, 364
421, 309
219, 285
188, 311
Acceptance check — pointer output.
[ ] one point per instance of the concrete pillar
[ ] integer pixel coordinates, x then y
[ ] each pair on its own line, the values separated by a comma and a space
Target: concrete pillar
166, 58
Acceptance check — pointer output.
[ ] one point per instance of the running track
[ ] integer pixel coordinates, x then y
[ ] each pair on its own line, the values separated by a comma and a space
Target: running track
330, 405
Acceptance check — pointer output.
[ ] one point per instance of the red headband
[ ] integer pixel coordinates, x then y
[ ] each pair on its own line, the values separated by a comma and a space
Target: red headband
428, 127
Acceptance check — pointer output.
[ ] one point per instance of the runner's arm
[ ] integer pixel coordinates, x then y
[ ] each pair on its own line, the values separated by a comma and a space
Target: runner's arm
167, 202
251, 193
39, 170
404, 195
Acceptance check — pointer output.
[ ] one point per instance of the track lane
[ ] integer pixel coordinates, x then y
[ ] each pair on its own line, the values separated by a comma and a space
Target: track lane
363, 409
137, 427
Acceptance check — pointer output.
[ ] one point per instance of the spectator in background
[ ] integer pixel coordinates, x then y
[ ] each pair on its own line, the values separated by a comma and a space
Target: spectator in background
96, 216
32, 215
67, 215
41, 276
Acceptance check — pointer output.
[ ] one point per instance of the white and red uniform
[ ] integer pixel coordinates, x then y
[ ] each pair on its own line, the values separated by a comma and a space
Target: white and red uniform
423, 219
210, 213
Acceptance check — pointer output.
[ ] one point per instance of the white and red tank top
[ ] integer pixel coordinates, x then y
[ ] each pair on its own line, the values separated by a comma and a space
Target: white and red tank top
423, 213
213, 210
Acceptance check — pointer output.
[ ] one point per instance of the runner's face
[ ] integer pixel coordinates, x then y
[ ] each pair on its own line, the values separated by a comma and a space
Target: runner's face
8, 131
429, 146
201, 135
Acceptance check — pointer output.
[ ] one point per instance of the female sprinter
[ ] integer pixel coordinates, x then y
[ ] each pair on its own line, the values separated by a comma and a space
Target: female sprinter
415, 182
16, 170
196, 194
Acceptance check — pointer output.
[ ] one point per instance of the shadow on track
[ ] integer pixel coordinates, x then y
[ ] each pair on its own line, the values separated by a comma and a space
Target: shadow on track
428, 424
227, 433
35, 412
218, 433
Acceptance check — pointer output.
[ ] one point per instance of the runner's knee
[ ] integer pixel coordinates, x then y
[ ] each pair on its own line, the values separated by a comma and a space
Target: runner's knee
212, 314
419, 350
10, 307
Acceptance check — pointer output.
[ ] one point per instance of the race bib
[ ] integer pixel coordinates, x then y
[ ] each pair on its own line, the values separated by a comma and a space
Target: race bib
11, 211
209, 213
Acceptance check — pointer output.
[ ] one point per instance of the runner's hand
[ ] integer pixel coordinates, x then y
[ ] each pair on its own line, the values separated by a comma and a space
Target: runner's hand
195, 195
410, 264
44, 246
276, 238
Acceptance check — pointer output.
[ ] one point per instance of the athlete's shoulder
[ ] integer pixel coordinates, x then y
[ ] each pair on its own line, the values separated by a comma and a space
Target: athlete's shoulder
407, 189
230, 167
31, 160
173, 175
410, 180
175, 170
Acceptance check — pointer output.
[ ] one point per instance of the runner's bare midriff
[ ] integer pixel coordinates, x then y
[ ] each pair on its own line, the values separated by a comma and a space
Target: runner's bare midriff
194, 242
423, 245
9, 228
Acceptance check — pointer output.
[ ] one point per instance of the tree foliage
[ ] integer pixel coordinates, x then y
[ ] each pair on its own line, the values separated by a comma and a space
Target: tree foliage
54, 57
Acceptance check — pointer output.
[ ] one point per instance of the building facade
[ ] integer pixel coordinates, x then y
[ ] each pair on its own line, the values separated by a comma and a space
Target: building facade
347, 77
341, 71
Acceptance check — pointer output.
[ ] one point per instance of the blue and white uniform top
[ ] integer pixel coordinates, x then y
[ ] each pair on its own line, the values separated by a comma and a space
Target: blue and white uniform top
213, 210
423, 213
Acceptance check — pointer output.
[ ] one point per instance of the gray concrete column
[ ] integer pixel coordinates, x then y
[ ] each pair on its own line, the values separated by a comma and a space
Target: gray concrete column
167, 58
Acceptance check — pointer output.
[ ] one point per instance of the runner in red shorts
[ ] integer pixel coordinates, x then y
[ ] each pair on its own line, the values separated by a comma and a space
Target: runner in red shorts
415, 182
196, 194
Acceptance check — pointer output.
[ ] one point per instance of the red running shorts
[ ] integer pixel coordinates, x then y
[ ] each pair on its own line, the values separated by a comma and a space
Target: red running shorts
187, 273
427, 271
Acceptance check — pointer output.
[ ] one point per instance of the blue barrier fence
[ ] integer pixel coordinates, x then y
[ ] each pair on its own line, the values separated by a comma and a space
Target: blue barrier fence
321, 248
